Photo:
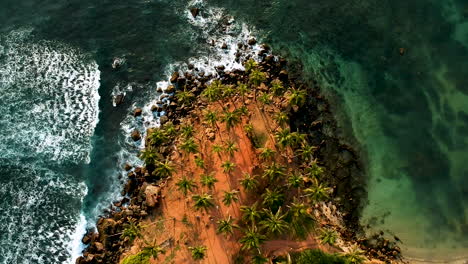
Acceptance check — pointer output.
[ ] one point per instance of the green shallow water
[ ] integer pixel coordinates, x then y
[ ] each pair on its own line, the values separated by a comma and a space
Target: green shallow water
408, 113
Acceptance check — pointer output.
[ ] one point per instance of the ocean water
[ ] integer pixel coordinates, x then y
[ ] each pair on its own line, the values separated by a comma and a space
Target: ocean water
63, 141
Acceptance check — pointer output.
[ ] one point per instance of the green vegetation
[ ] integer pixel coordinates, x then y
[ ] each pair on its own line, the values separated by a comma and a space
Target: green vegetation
164, 169
250, 65
211, 117
157, 137
230, 197
189, 146
131, 230
256, 77
208, 181
185, 97
277, 87
355, 255
267, 153
274, 223
203, 201
230, 148
187, 131
281, 118
185, 185
198, 252
199, 162
217, 148
249, 182
317, 257
328, 236
252, 239
231, 119
149, 156
273, 199
226, 226
273, 172
228, 166
297, 97
250, 213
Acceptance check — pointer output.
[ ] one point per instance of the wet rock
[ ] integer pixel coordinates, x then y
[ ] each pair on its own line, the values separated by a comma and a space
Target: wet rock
152, 195
224, 46
119, 99
135, 135
174, 77
195, 11
252, 41
117, 63
137, 112
283, 74
99, 247
163, 120
127, 167
402, 51
170, 89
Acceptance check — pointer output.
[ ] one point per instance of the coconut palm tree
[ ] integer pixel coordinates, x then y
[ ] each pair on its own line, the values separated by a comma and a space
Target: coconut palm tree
131, 230
187, 131
242, 90
295, 180
355, 255
265, 98
228, 91
273, 199
297, 97
164, 169
189, 146
213, 91
208, 181
211, 117
152, 251
328, 236
228, 166
242, 111
226, 226
274, 171
149, 156
199, 162
252, 239
217, 148
256, 77
307, 152
317, 192
157, 137
301, 221
258, 259
249, 182
266, 153
231, 119
250, 213
185, 185
314, 170
185, 97
198, 252
250, 65
277, 87
283, 137
230, 196
274, 222
170, 129
248, 128
231, 148
203, 201
281, 118
297, 138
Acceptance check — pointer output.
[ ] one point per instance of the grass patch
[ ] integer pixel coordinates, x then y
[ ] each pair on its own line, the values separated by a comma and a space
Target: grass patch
140, 258
317, 257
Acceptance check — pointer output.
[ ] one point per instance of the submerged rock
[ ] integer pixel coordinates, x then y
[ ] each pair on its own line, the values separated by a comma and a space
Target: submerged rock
137, 112
195, 11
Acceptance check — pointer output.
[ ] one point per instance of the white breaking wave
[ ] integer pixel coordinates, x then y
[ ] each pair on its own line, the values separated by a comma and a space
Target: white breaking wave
48, 99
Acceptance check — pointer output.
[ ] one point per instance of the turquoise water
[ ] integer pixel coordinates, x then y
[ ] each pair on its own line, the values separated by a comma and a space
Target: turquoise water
63, 142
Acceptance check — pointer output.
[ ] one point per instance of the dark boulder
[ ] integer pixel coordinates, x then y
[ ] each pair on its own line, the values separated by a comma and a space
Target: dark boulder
137, 112
252, 41
195, 11
174, 77
119, 99
136, 135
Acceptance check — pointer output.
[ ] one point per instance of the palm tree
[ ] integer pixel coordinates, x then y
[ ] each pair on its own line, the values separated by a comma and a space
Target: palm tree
230, 196
250, 65
231, 119
152, 251
226, 226
217, 148
248, 128
208, 181
314, 170
281, 118
297, 97
131, 230
252, 239
250, 213
185, 185
231, 148
300, 219
170, 129
274, 223
256, 77
228, 166
164, 169
242, 90
228, 91
211, 117
249, 182
273, 199
318, 192
328, 236
189, 146
258, 259
203, 201
213, 91
297, 138
157, 137
266, 153
199, 162
264, 98
355, 255
277, 87
283, 137
307, 152
187, 131
185, 97
295, 180
274, 171
149, 156
198, 252
242, 111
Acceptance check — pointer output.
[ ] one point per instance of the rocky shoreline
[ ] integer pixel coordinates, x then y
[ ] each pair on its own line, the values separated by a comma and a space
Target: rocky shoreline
343, 171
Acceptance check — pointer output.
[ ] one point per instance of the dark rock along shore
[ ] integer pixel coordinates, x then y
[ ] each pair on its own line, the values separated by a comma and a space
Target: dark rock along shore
343, 169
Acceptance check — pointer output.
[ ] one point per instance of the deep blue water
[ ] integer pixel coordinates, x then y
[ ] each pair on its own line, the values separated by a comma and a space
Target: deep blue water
62, 141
